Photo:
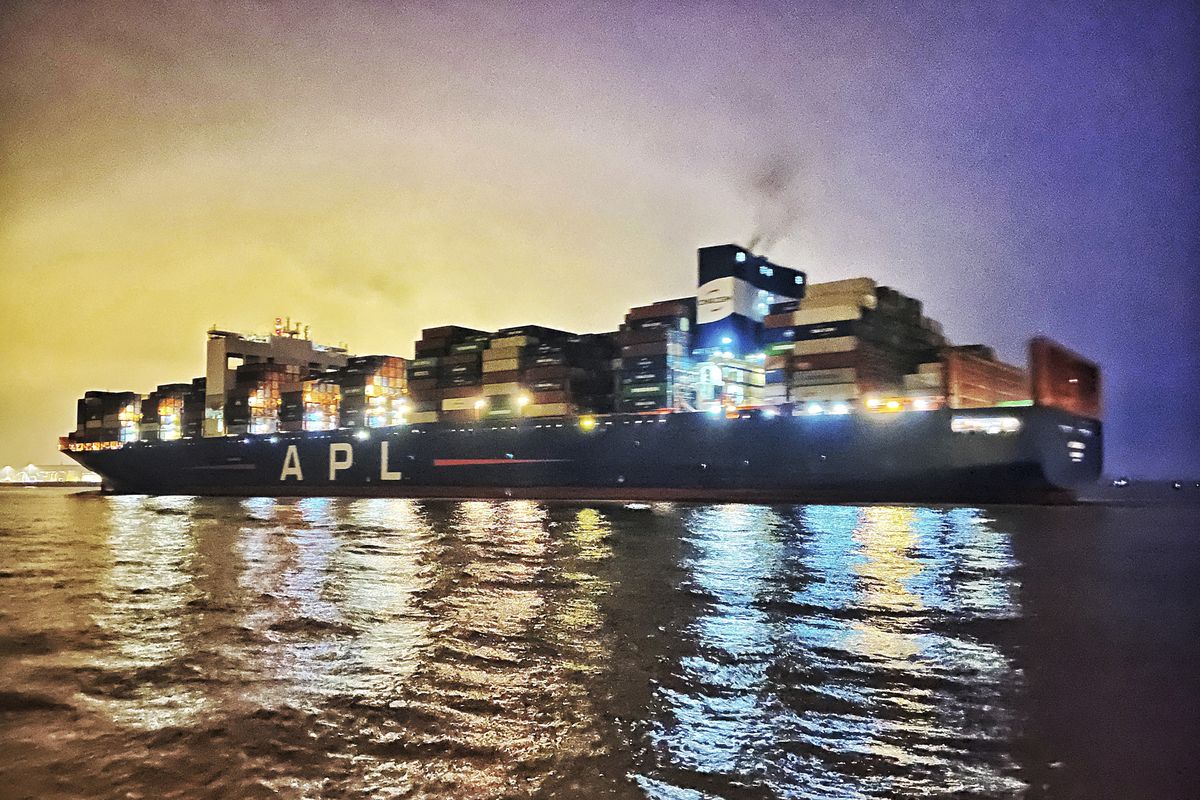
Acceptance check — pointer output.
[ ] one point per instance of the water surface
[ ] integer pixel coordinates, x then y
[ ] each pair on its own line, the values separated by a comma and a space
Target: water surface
211, 647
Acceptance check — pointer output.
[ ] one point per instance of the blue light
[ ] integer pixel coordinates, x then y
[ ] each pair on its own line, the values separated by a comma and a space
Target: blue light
740, 257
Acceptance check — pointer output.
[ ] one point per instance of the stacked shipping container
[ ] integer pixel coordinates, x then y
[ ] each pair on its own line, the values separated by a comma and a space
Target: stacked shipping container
826, 346
254, 403
373, 391
975, 378
448, 363
193, 408
316, 406
107, 418
845, 340
657, 371
162, 412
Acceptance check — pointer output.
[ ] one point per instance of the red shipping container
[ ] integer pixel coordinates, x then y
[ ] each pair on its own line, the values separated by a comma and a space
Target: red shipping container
504, 376
551, 397
1063, 379
553, 371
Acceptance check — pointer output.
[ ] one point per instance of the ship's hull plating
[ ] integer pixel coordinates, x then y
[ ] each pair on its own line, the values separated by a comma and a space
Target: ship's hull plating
910, 457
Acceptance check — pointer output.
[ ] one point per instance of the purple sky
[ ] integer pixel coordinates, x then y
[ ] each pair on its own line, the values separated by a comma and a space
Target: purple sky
376, 168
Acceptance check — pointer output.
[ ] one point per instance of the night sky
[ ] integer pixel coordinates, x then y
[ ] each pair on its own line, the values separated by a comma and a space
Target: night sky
372, 169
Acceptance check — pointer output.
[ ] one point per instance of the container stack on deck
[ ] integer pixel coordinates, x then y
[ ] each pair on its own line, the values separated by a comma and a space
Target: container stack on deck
193, 408
844, 341
504, 393
107, 418
533, 371
974, 378
315, 406
757, 333
448, 364
256, 399
657, 371
374, 391
162, 412
569, 375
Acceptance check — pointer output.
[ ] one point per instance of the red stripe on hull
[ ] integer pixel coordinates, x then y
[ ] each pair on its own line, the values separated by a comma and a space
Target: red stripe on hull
485, 462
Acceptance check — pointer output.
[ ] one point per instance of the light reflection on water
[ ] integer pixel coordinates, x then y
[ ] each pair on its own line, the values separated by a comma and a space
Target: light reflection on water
143, 597
385, 647
821, 664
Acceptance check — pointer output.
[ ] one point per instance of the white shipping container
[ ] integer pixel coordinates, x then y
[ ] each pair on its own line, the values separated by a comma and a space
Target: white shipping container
813, 316
501, 365
494, 389
459, 403
835, 344
823, 377
512, 342
844, 286
547, 410
832, 392
500, 353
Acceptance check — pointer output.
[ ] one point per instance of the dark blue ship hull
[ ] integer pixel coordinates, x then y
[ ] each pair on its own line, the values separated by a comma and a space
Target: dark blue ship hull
908, 457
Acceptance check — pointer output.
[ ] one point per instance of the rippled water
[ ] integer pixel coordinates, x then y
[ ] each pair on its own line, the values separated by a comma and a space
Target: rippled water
208, 647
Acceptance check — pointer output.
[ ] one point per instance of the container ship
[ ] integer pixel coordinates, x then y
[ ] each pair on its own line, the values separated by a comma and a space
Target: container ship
761, 387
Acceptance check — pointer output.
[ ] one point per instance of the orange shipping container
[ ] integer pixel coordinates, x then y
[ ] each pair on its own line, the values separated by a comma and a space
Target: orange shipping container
1063, 379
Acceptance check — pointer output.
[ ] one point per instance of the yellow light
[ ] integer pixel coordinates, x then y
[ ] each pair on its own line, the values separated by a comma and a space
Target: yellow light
480, 404
893, 405
587, 423
523, 400
873, 402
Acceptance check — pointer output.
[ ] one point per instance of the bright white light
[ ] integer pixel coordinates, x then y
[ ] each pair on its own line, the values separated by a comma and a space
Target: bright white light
873, 402
893, 405
479, 404
726, 340
715, 409
921, 404
841, 408
362, 435
523, 400
740, 257
770, 412
274, 440
989, 425
815, 408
